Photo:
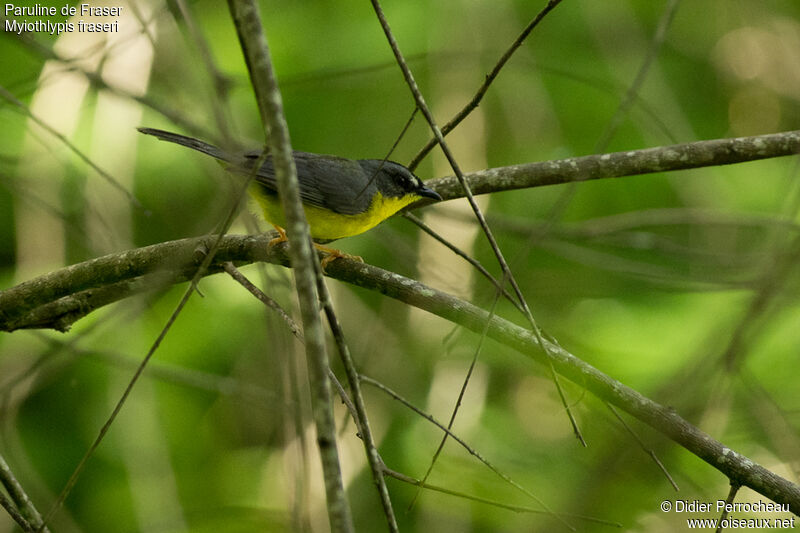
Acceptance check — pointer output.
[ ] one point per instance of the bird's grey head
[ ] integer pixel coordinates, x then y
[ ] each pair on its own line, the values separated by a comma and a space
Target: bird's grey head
393, 179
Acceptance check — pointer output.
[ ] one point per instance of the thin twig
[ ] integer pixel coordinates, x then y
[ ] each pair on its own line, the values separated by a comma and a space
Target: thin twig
221, 82
632, 93
74, 149
97, 81
20, 498
374, 460
516, 508
771, 284
472, 451
562, 202
728, 501
465, 256
507, 274
263, 298
14, 513
460, 398
198, 275
479, 94
293, 327
389, 153
246, 18
648, 451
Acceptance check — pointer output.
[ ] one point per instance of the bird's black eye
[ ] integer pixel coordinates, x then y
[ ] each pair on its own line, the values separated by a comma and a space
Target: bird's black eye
403, 177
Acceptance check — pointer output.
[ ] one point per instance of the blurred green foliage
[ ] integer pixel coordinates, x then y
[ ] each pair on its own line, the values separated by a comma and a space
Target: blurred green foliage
648, 278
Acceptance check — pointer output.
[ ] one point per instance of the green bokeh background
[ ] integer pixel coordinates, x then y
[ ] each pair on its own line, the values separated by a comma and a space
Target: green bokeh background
210, 438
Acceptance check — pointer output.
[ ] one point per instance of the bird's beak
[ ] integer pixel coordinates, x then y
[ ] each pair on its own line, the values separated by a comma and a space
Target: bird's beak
425, 192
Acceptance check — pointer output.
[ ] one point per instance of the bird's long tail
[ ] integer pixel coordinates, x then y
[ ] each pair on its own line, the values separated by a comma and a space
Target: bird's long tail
190, 142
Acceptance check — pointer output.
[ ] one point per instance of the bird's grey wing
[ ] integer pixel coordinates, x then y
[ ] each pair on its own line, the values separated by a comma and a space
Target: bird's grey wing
341, 183
326, 181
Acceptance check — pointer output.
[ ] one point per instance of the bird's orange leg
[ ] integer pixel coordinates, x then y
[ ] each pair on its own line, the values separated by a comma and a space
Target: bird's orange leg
334, 254
331, 254
280, 238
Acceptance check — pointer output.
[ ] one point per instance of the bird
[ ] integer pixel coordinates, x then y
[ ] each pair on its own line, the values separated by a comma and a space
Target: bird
341, 197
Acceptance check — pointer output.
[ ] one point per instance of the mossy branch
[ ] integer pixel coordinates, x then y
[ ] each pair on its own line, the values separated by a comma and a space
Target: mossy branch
135, 267
683, 156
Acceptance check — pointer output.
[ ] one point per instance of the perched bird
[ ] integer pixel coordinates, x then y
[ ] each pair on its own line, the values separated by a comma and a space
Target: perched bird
341, 197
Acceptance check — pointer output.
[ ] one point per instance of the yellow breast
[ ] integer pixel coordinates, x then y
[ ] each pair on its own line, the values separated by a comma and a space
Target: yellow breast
327, 225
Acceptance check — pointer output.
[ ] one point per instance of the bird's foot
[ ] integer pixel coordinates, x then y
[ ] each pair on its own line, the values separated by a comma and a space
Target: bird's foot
280, 238
334, 254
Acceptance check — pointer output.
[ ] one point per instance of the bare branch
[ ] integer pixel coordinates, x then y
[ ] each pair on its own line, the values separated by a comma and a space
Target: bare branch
683, 156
